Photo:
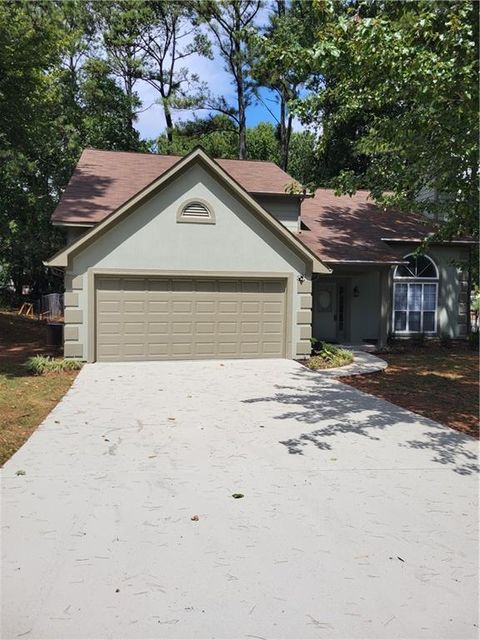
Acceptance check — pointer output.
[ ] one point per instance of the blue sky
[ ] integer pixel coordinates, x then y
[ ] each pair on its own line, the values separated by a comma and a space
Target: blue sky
151, 121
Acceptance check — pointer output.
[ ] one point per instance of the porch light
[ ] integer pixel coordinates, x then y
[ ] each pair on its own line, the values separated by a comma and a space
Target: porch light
301, 279
356, 291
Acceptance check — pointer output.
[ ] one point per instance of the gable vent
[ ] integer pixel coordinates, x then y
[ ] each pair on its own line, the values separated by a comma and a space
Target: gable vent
195, 210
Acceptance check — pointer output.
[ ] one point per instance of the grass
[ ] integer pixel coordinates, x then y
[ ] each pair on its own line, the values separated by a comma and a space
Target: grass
434, 381
25, 399
40, 365
328, 356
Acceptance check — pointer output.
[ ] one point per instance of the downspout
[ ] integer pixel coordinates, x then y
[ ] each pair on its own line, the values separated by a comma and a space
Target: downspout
469, 292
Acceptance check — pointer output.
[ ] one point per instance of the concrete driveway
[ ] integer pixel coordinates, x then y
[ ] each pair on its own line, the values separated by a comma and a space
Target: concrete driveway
358, 518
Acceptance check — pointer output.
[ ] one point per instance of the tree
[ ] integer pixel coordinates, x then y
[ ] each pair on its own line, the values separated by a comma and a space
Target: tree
231, 23
151, 39
68, 101
413, 67
275, 54
30, 47
120, 39
215, 134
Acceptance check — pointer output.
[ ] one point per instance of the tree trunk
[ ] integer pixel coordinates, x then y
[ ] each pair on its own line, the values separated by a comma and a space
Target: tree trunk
242, 124
169, 123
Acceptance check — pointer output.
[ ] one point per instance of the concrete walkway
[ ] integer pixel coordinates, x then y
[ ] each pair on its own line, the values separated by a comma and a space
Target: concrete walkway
359, 519
362, 364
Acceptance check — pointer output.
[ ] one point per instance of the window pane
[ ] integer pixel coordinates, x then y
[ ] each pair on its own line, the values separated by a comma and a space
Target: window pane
429, 321
414, 321
401, 296
414, 297
425, 268
400, 320
429, 295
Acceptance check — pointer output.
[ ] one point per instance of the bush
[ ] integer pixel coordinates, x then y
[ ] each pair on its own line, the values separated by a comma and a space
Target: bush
45, 364
329, 356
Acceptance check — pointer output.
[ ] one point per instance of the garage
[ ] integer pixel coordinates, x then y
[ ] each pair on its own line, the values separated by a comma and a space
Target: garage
166, 318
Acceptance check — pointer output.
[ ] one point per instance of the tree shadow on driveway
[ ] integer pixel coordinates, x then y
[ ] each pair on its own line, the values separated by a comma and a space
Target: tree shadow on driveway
339, 409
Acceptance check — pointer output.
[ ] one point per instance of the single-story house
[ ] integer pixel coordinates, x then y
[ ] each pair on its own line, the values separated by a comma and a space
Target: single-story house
189, 257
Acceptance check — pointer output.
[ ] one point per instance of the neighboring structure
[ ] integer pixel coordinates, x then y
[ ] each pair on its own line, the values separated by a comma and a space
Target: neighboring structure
171, 258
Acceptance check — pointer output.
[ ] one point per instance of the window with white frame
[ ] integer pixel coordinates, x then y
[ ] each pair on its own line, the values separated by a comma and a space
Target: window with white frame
415, 296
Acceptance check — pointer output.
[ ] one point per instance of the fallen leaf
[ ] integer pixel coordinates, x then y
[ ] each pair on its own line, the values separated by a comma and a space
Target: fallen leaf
237, 495
195, 518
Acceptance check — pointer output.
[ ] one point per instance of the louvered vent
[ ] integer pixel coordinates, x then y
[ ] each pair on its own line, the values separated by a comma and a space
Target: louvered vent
195, 210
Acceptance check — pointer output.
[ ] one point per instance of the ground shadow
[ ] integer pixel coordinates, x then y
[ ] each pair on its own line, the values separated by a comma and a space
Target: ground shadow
314, 399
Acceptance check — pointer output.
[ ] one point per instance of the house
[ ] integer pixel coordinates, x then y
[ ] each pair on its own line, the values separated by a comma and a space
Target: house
176, 258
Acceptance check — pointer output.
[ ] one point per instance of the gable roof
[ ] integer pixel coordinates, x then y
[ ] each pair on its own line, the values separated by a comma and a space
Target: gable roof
60, 259
344, 229
104, 180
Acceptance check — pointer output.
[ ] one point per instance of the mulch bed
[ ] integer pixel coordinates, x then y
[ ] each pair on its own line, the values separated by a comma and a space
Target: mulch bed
435, 382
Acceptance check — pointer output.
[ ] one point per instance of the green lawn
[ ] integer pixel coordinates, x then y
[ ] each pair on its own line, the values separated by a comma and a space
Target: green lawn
25, 399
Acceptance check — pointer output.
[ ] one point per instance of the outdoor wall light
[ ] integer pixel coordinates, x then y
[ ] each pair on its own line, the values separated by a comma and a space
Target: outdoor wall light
301, 279
356, 291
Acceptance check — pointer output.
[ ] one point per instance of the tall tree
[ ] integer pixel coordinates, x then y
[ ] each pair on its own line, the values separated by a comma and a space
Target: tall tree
67, 103
232, 22
120, 39
413, 66
154, 39
275, 55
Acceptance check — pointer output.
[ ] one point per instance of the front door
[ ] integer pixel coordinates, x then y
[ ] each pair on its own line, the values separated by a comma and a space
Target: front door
329, 311
325, 311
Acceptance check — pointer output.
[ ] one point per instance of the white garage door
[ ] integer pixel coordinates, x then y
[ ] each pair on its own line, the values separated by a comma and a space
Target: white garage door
166, 318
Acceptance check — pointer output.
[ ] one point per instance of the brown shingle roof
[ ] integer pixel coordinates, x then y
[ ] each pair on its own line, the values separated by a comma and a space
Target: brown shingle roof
344, 228
104, 180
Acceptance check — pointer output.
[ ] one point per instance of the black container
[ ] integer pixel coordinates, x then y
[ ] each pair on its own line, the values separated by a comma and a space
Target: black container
54, 334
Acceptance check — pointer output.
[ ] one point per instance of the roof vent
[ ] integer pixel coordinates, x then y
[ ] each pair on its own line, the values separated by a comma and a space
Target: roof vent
195, 210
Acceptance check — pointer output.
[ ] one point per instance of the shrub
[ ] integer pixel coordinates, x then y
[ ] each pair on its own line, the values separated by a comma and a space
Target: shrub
328, 356
45, 364
473, 340
445, 340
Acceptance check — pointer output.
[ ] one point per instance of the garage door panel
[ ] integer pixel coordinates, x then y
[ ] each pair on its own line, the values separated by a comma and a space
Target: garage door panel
168, 318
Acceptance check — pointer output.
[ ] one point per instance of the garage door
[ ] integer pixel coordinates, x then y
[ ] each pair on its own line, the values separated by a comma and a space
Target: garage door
180, 318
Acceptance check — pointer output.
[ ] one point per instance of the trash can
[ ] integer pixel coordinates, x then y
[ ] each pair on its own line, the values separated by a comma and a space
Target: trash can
54, 334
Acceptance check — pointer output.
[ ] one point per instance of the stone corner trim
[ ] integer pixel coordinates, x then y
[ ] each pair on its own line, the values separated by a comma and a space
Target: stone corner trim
304, 287
73, 316
304, 316
73, 350
304, 348
73, 282
70, 332
70, 299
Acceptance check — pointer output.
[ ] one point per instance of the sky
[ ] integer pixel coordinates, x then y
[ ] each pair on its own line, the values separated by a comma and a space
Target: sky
151, 122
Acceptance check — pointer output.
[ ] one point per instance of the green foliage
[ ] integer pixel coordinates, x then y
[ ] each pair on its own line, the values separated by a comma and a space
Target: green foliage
55, 99
40, 365
405, 74
328, 356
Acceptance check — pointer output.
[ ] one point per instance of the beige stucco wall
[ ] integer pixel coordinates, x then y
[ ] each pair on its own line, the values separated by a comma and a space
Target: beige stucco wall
365, 309
369, 319
286, 209
150, 238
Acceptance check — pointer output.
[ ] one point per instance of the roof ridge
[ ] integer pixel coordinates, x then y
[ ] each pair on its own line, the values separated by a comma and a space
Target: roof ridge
167, 155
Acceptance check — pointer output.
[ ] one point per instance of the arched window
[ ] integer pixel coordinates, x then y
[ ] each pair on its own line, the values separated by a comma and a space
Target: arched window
415, 296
